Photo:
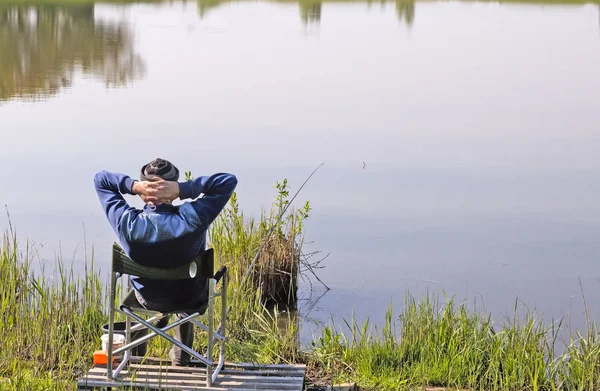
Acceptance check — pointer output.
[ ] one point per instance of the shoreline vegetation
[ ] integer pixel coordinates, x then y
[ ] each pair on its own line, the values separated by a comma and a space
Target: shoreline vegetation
207, 4
51, 324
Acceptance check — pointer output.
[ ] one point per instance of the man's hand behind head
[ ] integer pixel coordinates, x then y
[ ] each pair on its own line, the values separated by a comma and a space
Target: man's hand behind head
157, 191
167, 191
146, 190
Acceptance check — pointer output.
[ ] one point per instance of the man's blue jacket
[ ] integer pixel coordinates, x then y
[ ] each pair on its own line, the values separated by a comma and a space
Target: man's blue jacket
165, 235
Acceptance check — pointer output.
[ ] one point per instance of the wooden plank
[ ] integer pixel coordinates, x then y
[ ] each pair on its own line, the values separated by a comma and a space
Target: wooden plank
157, 376
288, 372
237, 377
276, 367
184, 386
113, 384
170, 387
263, 379
267, 373
227, 374
234, 385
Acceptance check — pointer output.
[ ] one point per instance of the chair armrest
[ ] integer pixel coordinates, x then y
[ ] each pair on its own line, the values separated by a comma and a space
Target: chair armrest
125, 265
220, 273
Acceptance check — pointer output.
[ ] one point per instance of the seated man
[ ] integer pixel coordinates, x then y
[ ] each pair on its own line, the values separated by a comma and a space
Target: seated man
164, 235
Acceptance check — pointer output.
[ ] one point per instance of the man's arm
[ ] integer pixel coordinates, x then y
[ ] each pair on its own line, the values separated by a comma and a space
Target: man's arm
110, 187
217, 190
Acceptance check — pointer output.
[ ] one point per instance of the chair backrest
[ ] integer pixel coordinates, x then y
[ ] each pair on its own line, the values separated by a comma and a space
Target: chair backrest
201, 266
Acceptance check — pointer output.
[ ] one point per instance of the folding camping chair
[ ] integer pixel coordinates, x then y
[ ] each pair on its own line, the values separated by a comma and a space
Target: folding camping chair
201, 266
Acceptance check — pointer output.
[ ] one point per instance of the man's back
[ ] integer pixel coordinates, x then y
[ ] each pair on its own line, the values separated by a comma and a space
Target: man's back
164, 235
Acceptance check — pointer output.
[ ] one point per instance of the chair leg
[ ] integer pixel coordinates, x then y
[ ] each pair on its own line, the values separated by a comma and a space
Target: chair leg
223, 317
111, 324
160, 332
122, 365
222, 329
127, 354
127, 320
211, 313
220, 334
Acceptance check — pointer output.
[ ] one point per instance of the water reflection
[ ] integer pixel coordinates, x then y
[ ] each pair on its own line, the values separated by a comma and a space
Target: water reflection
406, 11
41, 47
311, 10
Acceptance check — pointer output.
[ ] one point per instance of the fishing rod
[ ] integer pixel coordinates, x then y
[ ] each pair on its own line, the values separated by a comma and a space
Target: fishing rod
266, 239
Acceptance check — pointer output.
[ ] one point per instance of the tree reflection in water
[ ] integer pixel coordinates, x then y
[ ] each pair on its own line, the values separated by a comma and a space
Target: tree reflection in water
310, 10
406, 11
41, 48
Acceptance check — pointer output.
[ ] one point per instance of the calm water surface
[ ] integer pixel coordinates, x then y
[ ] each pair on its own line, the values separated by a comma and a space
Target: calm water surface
461, 140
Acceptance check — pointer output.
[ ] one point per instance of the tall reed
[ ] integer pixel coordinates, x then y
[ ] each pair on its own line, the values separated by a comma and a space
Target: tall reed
236, 240
449, 345
49, 324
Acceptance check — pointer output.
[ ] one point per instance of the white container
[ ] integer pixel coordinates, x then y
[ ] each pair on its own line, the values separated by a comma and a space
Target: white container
118, 341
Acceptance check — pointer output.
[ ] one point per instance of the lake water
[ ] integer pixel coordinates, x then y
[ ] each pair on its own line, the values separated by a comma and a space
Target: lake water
461, 140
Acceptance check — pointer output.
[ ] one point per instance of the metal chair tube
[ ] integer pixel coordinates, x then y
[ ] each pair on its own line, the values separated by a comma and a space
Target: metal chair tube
111, 323
153, 334
169, 338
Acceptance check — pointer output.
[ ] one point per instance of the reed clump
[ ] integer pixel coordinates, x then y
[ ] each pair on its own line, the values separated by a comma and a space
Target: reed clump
237, 239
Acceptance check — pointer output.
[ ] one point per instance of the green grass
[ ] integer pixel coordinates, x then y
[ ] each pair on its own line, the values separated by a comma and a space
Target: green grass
49, 327
45, 326
448, 345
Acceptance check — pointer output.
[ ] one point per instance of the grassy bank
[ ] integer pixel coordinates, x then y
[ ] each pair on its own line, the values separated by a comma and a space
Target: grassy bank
49, 327
446, 344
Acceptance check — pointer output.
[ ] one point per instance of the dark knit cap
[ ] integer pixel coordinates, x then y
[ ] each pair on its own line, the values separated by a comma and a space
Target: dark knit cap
160, 168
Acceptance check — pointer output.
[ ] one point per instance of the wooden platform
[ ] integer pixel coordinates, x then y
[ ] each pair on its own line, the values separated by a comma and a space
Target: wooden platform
153, 374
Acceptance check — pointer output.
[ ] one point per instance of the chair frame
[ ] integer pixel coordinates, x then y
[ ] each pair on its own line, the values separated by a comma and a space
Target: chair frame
204, 265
